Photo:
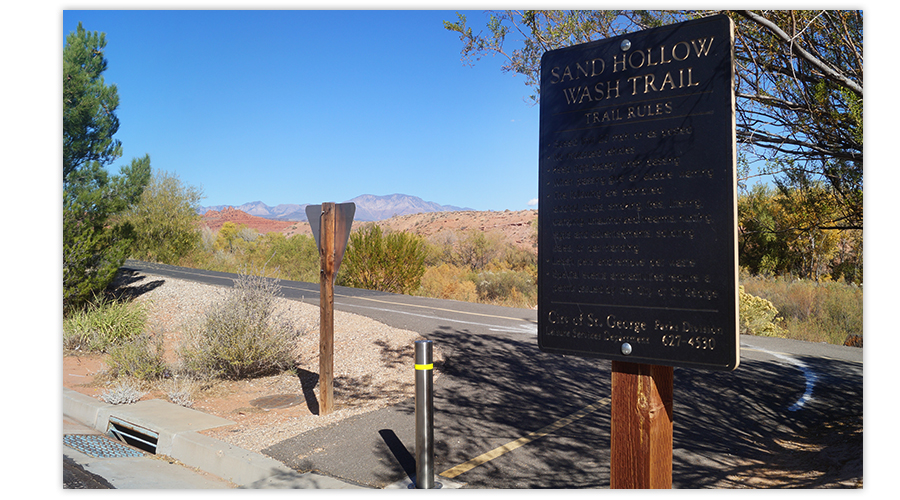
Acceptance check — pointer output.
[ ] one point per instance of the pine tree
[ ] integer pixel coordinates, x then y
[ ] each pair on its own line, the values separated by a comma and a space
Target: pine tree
95, 243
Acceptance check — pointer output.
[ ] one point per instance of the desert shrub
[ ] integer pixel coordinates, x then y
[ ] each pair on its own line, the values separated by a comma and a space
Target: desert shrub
273, 254
501, 273
814, 312
181, 391
758, 316
447, 281
102, 324
242, 336
519, 259
140, 358
506, 287
214, 260
248, 234
126, 391
473, 249
388, 262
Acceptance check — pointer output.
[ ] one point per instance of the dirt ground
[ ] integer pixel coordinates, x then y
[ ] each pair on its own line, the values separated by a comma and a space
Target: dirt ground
242, 401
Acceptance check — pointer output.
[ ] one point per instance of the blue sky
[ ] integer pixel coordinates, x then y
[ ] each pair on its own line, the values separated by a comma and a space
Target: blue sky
313, 106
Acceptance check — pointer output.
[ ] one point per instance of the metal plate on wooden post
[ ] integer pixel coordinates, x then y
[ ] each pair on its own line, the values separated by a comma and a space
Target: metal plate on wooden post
637, 187
343, 221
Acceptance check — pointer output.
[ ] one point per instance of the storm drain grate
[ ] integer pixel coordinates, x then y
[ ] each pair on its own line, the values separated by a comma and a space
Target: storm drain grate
277, 401
99, 446
132, 434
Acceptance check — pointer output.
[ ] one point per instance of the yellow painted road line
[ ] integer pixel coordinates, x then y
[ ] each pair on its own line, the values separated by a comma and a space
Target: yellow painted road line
522, 441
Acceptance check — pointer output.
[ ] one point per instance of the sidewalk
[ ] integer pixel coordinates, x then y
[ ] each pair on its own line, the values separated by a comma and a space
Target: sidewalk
169, 431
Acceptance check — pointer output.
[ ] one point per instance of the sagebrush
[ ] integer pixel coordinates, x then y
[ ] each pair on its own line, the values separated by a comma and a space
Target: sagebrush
126, 391
242, 336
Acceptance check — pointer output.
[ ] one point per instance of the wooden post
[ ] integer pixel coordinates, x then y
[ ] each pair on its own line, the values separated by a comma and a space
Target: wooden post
326, 313
641, 428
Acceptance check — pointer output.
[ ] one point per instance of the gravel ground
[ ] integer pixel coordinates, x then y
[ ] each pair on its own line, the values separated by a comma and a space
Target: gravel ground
372, 363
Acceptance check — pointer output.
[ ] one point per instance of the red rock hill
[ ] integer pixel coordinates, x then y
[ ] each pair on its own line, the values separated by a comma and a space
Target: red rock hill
517, 228
216, 219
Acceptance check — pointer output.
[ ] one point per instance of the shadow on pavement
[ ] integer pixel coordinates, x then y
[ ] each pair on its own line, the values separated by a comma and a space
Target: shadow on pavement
129, 285
404, 458
493, 390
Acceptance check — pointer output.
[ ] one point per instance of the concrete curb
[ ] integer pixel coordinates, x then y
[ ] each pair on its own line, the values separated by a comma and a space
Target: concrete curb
178, 437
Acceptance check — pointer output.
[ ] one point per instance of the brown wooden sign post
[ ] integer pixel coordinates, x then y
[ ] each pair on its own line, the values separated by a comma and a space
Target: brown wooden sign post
637, 239
326, 312
641, 428
330, 224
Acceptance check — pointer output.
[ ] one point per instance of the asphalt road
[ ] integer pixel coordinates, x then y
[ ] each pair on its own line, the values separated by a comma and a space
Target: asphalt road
76, 478
510, 416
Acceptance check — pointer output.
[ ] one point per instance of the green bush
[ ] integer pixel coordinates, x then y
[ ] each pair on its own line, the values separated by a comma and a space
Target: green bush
242, 336
140, 358
388, 262
477, 249
102, 324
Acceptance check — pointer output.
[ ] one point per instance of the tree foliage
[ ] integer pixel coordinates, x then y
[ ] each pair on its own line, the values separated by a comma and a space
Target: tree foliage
800, 102
779, 235
165, 220
95, 240
798, 94
89, 105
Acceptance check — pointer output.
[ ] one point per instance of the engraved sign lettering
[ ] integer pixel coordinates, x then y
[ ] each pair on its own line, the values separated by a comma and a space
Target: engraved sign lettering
637, 238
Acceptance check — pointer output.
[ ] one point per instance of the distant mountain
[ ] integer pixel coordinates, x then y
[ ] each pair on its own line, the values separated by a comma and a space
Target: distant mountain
368, 208
259, 209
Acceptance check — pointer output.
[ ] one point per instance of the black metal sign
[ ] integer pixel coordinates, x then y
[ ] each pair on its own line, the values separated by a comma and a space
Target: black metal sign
637, 229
